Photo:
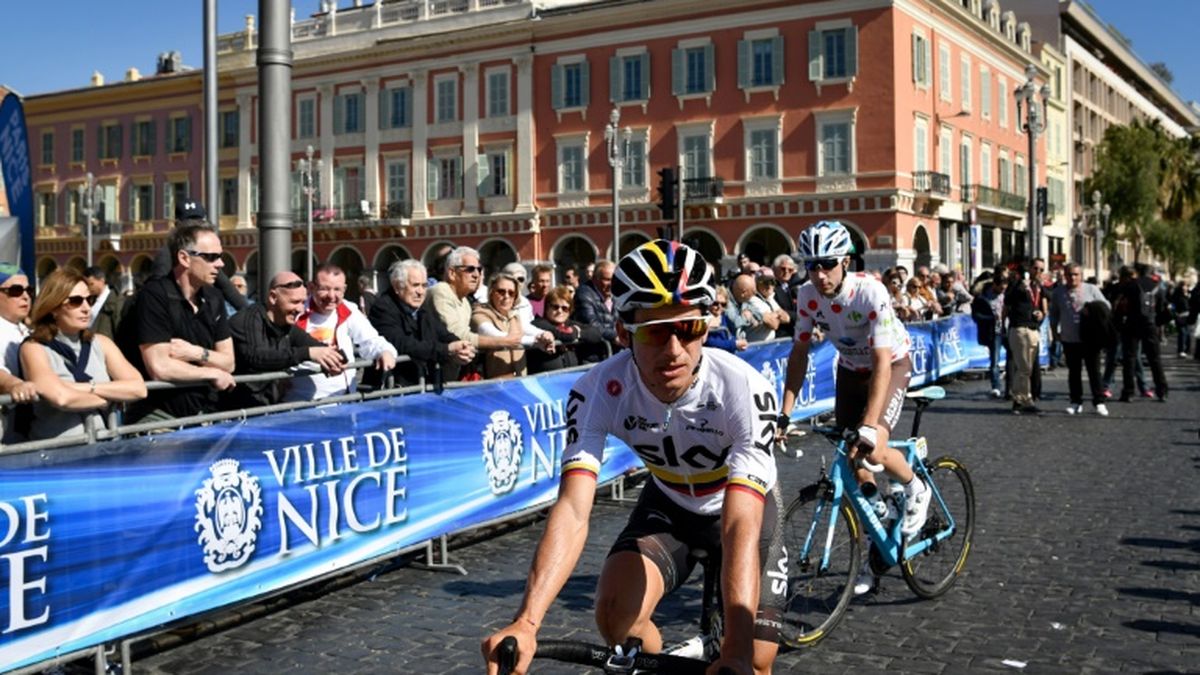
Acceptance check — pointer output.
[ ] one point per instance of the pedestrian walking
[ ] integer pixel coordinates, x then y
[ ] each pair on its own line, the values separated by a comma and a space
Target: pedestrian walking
1078, 314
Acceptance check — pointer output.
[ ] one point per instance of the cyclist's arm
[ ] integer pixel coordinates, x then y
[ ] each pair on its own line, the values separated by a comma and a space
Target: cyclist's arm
877, 391
557, 553
741, 526
797, 370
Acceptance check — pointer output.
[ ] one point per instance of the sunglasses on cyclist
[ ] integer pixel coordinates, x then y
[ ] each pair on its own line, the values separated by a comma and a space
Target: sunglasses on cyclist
824, 264
658, 333
75, 301
16, 290
293, 284
207, 257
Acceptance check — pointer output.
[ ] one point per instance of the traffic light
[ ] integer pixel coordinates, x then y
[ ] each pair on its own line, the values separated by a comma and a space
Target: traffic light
666, 193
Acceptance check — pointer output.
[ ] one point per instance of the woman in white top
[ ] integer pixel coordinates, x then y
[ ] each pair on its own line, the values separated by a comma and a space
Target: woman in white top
498, 319
78, 374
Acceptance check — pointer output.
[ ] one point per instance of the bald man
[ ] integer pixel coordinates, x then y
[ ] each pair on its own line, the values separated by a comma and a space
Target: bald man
266, 339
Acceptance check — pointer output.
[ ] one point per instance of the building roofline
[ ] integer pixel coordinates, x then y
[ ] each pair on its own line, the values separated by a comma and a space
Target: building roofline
1089, 22
110, 86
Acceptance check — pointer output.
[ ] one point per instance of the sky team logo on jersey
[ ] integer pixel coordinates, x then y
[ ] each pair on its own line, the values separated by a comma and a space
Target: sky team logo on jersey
502, 446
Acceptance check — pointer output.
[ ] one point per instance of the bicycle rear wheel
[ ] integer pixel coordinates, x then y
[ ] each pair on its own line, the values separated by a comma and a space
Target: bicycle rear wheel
951, 526
818, 595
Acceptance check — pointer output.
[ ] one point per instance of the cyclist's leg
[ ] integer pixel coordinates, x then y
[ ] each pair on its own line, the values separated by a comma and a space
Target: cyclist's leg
893, 461
645, 563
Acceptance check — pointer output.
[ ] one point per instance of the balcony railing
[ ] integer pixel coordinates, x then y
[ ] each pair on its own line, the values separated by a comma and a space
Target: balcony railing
931, 182
396, 210
990, 196
703, 189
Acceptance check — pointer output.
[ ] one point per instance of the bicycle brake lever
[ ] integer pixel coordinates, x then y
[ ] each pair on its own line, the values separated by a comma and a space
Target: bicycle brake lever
506, 655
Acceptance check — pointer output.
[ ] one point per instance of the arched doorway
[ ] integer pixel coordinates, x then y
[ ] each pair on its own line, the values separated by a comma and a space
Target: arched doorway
922, 247
572, 251
763, 242
707, 243
387, 256
352, 264
631, 240
494, 255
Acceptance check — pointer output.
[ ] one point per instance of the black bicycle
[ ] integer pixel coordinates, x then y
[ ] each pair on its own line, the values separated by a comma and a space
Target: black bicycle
690, 657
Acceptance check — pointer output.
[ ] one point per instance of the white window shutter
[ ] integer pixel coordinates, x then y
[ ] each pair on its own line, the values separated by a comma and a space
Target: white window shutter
777, 60
484, 169
743, 63
928, 51
615, 76
816, 66
431, 178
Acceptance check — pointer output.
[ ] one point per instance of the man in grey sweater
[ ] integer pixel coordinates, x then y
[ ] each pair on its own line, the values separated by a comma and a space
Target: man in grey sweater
1073, 320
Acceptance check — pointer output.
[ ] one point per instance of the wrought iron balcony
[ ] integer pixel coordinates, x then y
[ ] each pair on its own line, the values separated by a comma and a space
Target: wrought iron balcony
990, 196
396, 210
703, 189
931, 182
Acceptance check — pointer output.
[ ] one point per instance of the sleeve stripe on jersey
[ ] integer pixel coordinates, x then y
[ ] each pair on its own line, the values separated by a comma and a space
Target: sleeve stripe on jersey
581, 464
748, 485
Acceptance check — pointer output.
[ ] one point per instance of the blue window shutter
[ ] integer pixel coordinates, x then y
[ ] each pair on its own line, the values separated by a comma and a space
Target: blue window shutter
153, 149
361, 108
677, 71
710, 68
339, 103
614, 79
483, 170
777, 60
852, 51
645, 68
743, 58
431, 179
385, 107
585, 84
556, 86
816, 67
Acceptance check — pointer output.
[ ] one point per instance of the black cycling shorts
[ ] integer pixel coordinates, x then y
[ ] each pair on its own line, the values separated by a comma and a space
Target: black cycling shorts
854, 388
665, 532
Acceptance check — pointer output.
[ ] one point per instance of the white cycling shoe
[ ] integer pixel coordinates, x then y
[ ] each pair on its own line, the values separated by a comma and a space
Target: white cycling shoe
916, 509
865, 581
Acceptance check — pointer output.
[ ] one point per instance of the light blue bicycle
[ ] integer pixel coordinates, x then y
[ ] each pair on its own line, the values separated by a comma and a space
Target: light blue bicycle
824, 524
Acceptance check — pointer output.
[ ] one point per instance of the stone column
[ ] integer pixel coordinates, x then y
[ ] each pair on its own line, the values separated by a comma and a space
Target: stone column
371, 145
470, 137
524, 160
325, 106
420, 151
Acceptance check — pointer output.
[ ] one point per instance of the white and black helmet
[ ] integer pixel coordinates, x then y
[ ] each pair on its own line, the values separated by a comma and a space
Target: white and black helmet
825, 239
659, 273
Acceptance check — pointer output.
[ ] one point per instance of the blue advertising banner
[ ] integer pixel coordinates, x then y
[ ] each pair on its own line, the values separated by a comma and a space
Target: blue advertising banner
15, 167
108, 540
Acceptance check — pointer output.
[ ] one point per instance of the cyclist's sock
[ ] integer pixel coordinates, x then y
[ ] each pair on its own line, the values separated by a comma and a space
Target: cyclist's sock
914, 486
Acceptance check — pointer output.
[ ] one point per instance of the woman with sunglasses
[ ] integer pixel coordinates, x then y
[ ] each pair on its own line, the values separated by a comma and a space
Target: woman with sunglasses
78, 374
894, 282
720, 335
498, 318
702, 421
855, 311
576, 342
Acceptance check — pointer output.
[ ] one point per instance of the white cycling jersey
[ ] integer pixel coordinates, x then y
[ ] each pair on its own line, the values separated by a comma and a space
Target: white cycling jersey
856, 321
717, 436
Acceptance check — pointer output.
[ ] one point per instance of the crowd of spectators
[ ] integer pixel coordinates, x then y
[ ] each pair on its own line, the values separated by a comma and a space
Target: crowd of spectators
81, 347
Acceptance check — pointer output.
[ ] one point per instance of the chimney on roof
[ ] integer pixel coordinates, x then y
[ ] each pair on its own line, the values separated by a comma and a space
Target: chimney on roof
169, 62
97, 79
133, 75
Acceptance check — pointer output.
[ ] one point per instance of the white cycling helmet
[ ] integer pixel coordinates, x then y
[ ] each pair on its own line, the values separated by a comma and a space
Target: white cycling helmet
659, 273
826, 239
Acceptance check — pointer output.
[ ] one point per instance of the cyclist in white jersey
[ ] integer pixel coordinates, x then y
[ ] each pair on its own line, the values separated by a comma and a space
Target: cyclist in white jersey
854, 312
703, 423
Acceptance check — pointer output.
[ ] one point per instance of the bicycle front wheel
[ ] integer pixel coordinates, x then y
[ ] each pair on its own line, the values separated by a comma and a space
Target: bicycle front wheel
819, 589
947, 532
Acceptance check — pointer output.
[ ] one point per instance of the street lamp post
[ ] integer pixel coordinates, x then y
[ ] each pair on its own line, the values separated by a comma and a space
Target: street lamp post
1034, 124
618, 144
310, 190
87, 204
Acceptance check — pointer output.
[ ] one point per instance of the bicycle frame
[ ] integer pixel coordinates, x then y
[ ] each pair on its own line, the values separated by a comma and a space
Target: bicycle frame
888, 541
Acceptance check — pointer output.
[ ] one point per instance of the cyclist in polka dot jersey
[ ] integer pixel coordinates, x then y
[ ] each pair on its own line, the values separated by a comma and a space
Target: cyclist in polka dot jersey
854, 312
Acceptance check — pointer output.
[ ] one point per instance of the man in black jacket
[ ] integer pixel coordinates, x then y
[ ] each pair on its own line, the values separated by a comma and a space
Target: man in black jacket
266, 339
401, 318
1140, 301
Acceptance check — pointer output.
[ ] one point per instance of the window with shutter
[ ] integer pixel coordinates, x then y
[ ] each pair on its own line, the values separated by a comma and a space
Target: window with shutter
306, 125
985, 93
944, 87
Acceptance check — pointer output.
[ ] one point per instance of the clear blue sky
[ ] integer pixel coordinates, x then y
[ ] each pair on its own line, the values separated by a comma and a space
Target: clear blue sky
48, 46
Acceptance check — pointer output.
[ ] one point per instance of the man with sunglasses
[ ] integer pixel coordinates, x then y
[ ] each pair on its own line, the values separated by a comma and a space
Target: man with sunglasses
450, 299
854, 311
15, 301
703, 423
178, 330
266, 339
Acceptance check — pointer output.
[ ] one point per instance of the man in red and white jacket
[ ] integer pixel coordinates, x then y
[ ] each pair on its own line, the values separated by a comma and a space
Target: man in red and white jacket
333, 321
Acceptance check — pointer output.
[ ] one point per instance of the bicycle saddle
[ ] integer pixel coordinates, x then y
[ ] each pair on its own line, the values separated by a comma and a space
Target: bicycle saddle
933, 393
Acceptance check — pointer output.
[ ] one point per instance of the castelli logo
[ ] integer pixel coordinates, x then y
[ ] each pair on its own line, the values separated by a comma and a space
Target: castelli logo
614, 388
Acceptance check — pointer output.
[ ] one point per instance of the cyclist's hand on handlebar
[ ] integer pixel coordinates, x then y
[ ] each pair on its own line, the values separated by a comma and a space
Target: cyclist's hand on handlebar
526, 637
